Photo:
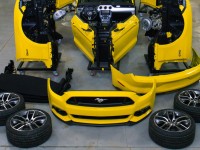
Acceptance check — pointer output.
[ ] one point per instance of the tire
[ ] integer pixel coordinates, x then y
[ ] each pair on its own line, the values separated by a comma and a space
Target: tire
189, 102
10, 103
24, 132
171, 134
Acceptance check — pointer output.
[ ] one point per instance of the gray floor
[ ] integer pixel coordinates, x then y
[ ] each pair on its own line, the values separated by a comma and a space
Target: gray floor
84, 137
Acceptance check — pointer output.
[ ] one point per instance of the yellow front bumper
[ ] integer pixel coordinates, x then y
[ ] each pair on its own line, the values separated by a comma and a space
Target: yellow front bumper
164, 83
98, 115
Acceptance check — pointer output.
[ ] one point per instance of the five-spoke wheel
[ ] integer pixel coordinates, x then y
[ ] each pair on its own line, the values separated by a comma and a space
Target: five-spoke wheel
172, 128
10, 103
28, 128
189, 102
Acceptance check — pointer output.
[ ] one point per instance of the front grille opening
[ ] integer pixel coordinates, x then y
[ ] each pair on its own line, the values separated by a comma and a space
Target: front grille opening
58, 110
142, 111
100, 101
100, 118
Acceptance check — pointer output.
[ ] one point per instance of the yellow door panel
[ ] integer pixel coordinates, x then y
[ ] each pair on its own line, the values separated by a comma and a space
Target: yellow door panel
124, 37
62, 3
83, 37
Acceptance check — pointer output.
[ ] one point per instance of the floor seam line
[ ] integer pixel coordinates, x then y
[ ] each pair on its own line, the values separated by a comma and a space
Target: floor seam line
6, 43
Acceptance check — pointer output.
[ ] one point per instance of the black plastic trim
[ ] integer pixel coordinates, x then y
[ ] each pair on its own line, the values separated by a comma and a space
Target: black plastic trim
100, 118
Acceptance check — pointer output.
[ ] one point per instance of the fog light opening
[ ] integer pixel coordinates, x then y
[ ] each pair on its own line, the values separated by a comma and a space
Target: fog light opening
142, 111
58, 110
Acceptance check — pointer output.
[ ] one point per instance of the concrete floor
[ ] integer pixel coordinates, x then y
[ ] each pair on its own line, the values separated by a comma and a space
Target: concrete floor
83, 137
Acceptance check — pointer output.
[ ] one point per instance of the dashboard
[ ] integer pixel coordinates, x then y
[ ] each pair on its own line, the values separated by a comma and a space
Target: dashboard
104, 13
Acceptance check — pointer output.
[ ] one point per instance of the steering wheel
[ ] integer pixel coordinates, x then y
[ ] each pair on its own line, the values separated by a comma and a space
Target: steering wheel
89, 13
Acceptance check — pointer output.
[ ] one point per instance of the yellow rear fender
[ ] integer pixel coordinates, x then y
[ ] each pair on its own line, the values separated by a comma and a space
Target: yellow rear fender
165, 83
139, 108
26, 49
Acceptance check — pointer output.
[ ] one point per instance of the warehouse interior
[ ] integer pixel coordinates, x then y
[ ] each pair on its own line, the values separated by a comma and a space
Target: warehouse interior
81, 137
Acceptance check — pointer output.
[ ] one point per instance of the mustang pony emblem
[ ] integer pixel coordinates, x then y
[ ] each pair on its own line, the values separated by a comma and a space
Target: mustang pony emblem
100, 100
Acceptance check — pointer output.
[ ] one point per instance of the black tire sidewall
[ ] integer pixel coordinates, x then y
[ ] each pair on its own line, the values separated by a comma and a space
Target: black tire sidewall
39, 135
171, 139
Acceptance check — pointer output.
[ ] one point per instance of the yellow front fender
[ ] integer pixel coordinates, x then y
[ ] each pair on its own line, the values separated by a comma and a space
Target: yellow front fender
181, 49
165, 83
26, 49
101, 107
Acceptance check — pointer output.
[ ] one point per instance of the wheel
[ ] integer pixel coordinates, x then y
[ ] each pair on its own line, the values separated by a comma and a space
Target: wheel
189, 102
28, 128
10, 103
171, 128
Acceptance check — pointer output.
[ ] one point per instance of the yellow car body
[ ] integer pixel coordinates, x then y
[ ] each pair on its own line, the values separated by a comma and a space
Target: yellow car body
171, 33
29, 49
122, 32
124, 37
165, 83
101, 107
181, 49
26, 49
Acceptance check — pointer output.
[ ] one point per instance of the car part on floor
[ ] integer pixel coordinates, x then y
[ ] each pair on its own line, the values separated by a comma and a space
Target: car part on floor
10, 103
35, 34
33, 89
29, 128
189, 102
165, 83
105, 32
170, 28
10, 68
172, 129
101, 107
